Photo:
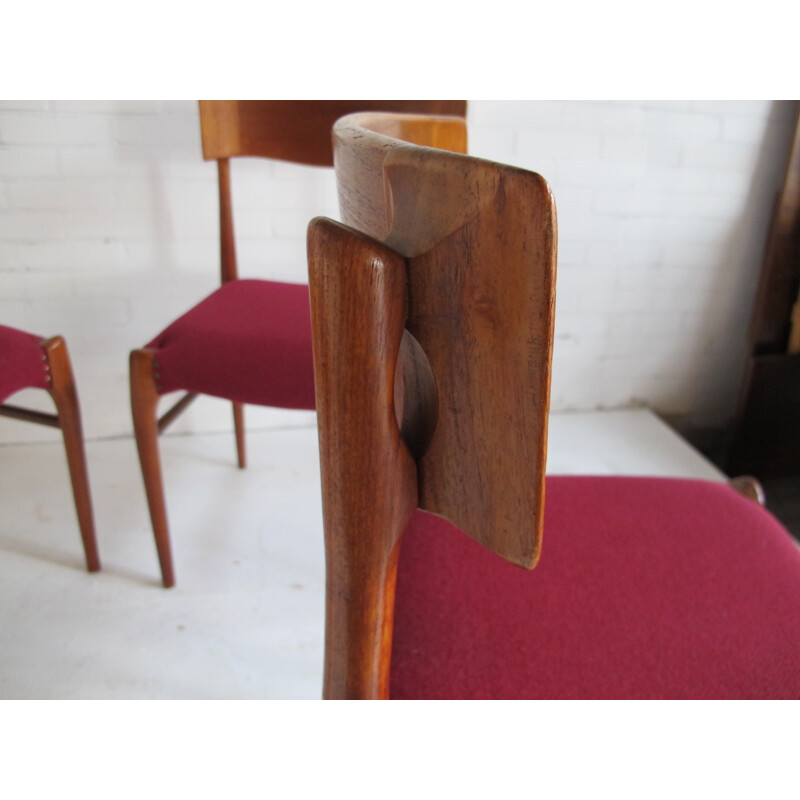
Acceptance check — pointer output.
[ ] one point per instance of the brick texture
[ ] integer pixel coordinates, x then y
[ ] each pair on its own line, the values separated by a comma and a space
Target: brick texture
108, 230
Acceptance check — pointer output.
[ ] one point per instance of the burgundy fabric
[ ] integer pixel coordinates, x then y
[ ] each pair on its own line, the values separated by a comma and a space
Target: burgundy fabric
21, 364
646, 588
249, 341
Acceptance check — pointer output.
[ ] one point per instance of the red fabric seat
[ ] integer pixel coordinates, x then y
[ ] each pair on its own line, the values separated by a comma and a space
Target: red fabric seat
646, 588
21, 362
249, 341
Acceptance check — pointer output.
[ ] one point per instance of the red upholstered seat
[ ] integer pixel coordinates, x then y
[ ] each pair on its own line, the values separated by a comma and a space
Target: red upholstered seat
646, 588
21, 362
249, 341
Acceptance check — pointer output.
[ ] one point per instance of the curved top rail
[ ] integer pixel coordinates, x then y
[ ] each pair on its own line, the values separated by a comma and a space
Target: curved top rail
293, 130
479, 239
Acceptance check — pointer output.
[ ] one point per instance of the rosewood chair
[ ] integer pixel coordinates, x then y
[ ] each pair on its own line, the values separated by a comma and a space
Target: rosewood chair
250, 340
432, 317
29, 361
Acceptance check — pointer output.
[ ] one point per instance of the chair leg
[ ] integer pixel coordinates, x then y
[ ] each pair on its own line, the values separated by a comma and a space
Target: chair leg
65, 396
238, 424
144, 402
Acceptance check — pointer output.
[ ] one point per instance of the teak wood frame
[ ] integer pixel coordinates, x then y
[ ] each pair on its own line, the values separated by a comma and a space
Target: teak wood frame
61, 387
432, 317
291, 130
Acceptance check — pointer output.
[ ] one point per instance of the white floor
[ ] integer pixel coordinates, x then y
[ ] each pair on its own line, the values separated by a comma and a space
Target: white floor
246, 618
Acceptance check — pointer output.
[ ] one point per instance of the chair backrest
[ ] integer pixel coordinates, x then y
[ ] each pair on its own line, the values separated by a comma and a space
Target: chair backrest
288, 130
293, 130
432, 316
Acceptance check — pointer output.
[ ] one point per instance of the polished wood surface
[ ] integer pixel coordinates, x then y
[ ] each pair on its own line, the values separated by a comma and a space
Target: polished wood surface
369, 478
229, 271
144, 407
293, 130
227, 239
65, 396
432, 315
480, 244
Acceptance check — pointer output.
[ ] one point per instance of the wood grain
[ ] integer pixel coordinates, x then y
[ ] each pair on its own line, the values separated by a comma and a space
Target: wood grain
293, 130
480, 244
368, 475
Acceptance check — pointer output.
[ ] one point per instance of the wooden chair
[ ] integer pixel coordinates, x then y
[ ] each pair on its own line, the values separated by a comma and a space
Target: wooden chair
432, 317
29, 361
249, 341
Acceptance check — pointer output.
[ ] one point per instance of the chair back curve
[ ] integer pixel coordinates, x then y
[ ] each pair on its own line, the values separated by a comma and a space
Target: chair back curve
432, 313
479, 240
292, 130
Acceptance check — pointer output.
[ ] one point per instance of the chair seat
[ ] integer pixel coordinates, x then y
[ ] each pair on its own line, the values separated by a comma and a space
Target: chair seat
646, 588
21, 362
249, 341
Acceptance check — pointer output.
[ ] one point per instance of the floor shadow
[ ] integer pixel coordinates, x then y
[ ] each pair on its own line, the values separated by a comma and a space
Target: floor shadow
51, 555
72, 561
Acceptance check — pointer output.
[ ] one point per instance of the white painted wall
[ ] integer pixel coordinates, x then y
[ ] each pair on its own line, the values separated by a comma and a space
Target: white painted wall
663, 213
108, 230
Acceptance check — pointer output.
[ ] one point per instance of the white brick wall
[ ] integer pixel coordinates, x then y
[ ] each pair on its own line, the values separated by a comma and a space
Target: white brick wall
663, 211
108, 230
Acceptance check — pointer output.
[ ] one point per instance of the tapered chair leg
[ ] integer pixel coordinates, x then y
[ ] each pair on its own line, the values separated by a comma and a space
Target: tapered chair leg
238, 424
62, 389
144, 402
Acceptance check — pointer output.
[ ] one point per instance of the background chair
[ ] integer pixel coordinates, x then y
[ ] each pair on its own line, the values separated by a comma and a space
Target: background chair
432, 317
249, 341
28, 361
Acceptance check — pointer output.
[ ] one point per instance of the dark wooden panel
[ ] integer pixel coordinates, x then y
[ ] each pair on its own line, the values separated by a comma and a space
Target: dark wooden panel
767, 439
